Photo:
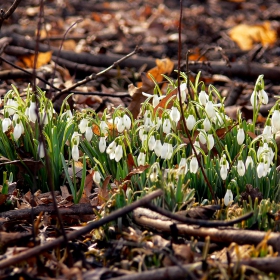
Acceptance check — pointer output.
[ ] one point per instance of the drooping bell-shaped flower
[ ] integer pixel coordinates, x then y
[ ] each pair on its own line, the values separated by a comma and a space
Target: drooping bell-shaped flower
249, 161
155, 97
228, 197
197, 146
254, 99
111, 149
148, 123
151, 142
164, 150
240, 167
118, 153
211, 142
32, 110
103, 127
41, 150
75, 137
158, 147
261, 170
102, 144
12, 105
190, 121
127, 121
6, 123
263, 96
183, 166
202, 136
193, 165
223, 172
75, 152
89, 132
141, 158
120, 124
267, 132
166, 126
83, 125
183, 91
96, 177
240, 136
169, 151
154, 174
206, 124
210, 111
175, 114
17, 130
203, 97
275, 120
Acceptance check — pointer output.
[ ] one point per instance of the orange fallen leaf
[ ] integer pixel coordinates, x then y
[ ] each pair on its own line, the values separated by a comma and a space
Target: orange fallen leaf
42, 59
164, 66
247, 35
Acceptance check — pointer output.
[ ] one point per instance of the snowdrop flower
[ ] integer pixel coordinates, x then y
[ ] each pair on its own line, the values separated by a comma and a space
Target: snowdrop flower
203, 98
190, 121
41, 150
166, 126
275, 120
210, 111
183, 91
75, 152
118, 153
223, 172
83, 125
151, 143
206, 124
44, 117
169, 151
197, 147
263, 96
211, 142
141, 158
193, 165
17, 130
158, 122
175, 114
202, 137
154, 174
96, 177
249, 161
240, 167
240, 136
75, 137
158, 147
102, 144
164, 150
148, 123
127, 121
261, 170
111, 149
144, 137
89, 132
228, 197
26, 112
156, 98
120, 124
103, 127
6, 123
183, 166
254, 100
267, 132
12, 105
32, 110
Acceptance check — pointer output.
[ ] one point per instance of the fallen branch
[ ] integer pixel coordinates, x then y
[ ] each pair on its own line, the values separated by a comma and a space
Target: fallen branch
4, 16
225, 235
75, 234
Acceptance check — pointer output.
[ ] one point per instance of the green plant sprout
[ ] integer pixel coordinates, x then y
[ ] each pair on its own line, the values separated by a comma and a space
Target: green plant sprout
149, 152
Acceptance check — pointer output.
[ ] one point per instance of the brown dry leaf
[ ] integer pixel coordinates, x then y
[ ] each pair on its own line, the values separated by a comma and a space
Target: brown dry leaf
137, 170
3, 198
42, 59
164, 66
251, 134
130, 162
137, 96
103, 194
96, 129
247, 35
182, 253
88, 184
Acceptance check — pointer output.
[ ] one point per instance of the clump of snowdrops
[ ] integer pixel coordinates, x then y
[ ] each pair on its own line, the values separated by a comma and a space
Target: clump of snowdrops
152, 151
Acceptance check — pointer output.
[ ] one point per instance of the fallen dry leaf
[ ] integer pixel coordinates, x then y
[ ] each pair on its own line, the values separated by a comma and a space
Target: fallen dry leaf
42, 59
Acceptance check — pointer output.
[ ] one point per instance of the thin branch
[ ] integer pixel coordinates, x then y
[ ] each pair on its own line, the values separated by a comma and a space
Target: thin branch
94, 76
75, 234
4, 16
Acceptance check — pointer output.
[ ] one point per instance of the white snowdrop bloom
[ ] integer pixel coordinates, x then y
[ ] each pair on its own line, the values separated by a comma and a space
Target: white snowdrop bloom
240, 167
263, 96
89, 133
275, 120
154, 174
223, 172
141, 132
17, 130
164, 150
69, 114
41, 150
267, 132
175, 114
203, 97
127, 121
190, 121
11, 107
254, 99
209, 108
261, 170
148, 123
144, 137
211, 142
103, 127
206, 124
228, 197
158, 148
83, 125
75, 137
169, 151
111, 149
120, 124
102, 144
155, 97
183, 166
141, 158
32, 112
118, 153
249, 161
158, 122
240, 136
183, 91
193, 165
44, 117
75, 152
202, 137
151, 143
6, 123
166, 126
197, 147
96, 177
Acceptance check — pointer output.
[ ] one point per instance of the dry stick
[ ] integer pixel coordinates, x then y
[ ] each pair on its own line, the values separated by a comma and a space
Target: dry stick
182, 110
75, 234
6, 15
93, 76
202, 223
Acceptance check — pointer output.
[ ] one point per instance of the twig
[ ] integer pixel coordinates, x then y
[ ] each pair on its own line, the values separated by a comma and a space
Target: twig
198, 222
4, 16
93, 76
75, 234
182, 110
